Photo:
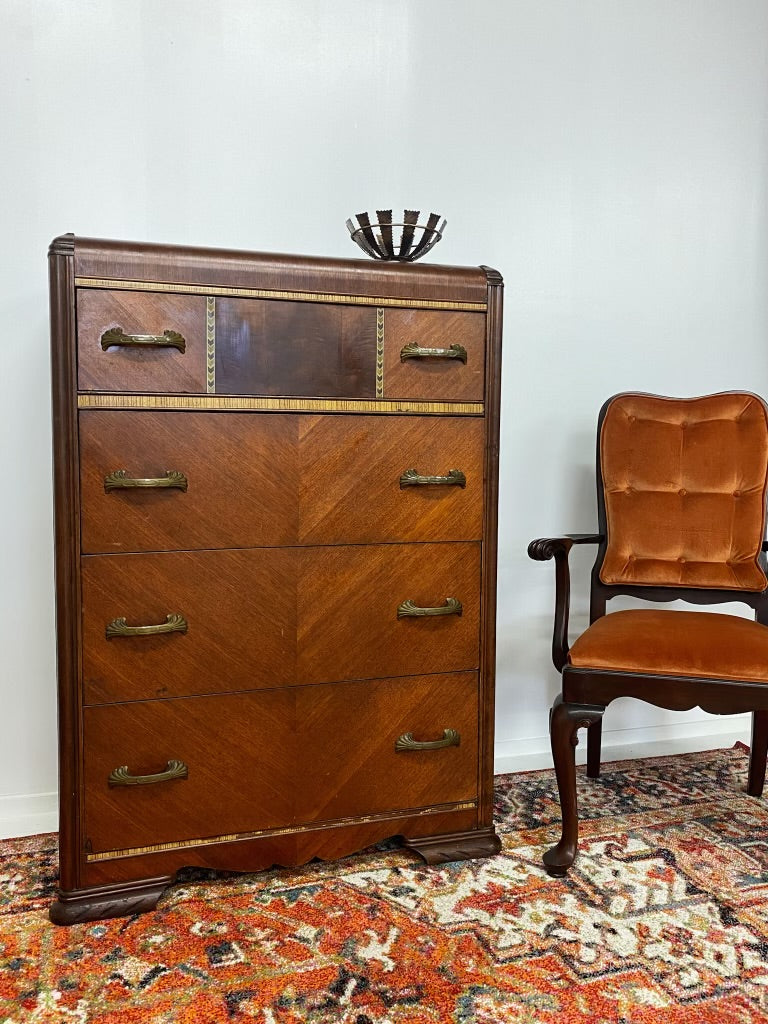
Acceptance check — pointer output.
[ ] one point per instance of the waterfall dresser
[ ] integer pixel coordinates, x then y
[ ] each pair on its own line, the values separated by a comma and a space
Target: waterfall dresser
275, 516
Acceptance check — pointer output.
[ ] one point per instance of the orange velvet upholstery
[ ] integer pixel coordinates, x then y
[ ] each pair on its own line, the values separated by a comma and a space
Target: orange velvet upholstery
685, 486
707, 645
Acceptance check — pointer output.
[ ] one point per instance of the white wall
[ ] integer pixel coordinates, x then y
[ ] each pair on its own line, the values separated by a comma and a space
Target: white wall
608, 156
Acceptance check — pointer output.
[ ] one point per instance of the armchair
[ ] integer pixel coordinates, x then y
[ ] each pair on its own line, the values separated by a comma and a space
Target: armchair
681, 494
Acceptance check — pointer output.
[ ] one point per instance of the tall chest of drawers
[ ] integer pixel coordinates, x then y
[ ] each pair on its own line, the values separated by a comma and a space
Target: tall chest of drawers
275, 512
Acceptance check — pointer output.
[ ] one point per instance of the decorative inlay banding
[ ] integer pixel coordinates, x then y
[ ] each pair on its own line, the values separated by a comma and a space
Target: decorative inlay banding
210, 344
245, 403
379, 353
267, 293
186, 844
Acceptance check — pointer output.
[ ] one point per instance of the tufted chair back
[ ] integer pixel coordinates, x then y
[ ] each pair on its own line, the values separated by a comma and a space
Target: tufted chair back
682, 492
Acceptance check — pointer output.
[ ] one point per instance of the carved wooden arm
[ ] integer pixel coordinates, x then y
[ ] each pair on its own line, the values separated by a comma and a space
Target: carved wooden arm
559, 548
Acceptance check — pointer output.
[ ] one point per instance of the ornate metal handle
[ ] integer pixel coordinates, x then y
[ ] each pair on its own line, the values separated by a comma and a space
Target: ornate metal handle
451, 738
414, 351
119, 480
173, 624
408, 609
453, 478
122, 777
168, 339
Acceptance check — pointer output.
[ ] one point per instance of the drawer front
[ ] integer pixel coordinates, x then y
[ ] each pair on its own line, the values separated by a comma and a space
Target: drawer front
141, 357
305, 349
349, 747
435, 355
275, 617
276, 759
239, 758
246, 480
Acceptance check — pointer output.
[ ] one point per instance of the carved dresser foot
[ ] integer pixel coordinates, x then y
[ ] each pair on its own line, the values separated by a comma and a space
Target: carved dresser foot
455, 846
108, 901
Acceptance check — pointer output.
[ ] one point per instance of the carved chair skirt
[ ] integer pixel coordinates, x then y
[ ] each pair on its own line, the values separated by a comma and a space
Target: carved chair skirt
681, 489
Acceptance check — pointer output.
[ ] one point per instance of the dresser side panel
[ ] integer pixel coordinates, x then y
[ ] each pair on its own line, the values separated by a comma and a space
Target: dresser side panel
490, 545
66, 490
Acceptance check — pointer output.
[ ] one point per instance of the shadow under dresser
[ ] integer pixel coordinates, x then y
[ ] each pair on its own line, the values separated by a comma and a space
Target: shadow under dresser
275, 511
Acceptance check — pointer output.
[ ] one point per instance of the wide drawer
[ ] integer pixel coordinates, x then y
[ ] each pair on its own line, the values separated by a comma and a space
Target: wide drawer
243, 763
275, 617
158, 342
244, 479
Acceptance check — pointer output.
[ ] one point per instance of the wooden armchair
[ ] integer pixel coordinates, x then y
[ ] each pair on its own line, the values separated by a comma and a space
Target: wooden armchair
681, 492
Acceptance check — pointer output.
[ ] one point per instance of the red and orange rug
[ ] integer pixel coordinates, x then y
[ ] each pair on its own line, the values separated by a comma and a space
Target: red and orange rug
663, 919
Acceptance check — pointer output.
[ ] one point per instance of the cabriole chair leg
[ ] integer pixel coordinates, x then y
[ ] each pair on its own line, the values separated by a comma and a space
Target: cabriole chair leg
565, 720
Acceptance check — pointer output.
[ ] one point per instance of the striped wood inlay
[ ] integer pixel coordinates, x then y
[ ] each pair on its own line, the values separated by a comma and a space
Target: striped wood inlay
468, 805
255, 404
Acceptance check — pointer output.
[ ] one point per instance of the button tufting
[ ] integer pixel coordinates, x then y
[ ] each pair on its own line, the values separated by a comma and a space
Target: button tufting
681, 560
737, 494
683, 424
682, 492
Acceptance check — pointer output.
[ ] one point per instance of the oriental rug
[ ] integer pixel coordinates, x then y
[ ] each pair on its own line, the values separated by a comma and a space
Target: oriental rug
664, 918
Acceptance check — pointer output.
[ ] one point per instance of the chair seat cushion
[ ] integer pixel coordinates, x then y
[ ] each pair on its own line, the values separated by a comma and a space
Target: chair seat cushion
707, 645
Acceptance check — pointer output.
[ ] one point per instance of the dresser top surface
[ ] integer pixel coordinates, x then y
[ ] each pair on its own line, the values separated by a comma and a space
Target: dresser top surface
103, 259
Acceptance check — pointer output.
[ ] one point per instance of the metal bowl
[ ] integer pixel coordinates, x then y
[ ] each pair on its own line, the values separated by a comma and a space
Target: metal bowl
403, 241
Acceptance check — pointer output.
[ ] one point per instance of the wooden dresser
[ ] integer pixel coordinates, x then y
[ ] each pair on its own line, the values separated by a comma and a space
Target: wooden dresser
275, 486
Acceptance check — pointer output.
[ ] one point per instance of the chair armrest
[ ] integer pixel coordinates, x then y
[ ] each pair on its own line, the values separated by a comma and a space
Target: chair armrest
542, 550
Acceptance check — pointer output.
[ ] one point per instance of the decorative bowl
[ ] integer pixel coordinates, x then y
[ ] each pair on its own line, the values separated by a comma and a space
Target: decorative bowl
404, 241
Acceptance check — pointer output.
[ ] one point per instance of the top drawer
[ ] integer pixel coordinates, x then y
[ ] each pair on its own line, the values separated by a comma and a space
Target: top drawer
135, 341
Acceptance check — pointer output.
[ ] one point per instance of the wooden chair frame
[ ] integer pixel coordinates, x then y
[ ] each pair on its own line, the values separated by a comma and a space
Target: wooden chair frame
587, 692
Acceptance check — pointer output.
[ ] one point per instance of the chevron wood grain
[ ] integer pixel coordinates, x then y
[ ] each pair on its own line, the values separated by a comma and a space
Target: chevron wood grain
260, 762
280, 479
140, 369
438, 379
238, 752
349, 731
275, 617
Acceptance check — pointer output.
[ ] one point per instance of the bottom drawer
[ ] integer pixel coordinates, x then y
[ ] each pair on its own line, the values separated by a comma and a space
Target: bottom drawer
276, 759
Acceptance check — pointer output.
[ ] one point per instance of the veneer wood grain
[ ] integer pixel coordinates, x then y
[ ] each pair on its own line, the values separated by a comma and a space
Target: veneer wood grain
140, 368
277, 480
275, 617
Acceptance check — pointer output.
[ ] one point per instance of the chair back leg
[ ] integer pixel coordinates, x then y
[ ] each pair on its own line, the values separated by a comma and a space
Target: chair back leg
758, 752
594, 740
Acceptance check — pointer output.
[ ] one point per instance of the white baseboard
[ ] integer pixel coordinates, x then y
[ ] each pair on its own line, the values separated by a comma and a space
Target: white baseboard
30, 814
620, 744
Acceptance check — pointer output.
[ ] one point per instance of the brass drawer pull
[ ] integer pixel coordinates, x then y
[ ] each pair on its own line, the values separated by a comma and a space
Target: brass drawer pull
173, 624
451, 738
119, 480
409, 610
168, 339
414, 351
453, 478
122, 777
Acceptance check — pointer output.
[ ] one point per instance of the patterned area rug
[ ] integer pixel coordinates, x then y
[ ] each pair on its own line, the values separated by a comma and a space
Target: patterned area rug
664, 919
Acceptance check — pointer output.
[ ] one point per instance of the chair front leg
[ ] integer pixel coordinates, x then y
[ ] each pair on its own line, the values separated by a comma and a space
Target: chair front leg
565, 720
757, 753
